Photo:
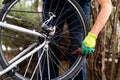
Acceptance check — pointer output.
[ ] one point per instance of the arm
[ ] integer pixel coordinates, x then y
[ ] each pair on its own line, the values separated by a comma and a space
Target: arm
89, 43
106, 8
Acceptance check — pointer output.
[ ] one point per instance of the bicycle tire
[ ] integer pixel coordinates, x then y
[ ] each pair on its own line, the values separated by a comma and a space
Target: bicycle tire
75, 68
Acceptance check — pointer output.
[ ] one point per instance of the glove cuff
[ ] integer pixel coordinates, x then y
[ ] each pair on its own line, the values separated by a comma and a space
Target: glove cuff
92, 35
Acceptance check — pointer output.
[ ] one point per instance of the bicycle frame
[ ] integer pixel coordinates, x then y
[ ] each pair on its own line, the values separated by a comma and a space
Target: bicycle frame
40, 47
23, 55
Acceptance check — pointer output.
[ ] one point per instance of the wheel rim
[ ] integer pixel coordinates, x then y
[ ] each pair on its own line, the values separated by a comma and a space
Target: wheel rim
54, 41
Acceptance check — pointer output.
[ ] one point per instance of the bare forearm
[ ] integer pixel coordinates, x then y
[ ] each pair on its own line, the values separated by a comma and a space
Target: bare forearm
101, 19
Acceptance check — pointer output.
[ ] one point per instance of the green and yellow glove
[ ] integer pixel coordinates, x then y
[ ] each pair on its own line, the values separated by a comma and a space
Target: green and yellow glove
88, 45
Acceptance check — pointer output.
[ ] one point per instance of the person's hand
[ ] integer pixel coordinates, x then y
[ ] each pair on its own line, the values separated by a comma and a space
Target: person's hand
88, 45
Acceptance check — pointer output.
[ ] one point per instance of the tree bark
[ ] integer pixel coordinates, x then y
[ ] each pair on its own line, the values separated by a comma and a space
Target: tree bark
103, 55
118, 69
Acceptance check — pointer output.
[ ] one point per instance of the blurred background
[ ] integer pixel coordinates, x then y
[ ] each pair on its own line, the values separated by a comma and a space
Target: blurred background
104, 64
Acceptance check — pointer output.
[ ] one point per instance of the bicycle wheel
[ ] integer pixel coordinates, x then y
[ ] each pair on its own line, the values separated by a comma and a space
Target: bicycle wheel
57, 60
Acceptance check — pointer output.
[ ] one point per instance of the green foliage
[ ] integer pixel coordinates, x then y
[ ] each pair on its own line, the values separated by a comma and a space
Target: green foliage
30, 18
25, 17
1, 3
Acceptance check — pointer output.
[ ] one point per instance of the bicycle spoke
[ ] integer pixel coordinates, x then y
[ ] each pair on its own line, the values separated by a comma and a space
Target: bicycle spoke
37, 64
62, 68
28, 65
54, 59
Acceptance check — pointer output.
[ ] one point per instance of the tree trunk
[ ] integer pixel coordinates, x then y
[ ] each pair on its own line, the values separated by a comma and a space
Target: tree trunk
103, 55
118, 69
114, 40
39, 5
